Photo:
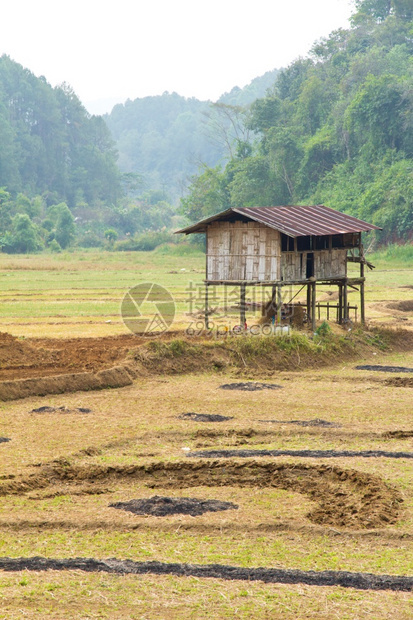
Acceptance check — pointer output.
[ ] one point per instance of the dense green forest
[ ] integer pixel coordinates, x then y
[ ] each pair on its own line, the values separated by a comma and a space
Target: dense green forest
337, 128
61, 183
59, 179
50, 145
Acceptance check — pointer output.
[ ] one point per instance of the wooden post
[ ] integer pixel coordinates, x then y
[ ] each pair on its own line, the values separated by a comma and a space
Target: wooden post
340, 304
308, 303
206, 305
274, 300
242, 306
362, 312
328, 311
313, 321
345, 301
279, 304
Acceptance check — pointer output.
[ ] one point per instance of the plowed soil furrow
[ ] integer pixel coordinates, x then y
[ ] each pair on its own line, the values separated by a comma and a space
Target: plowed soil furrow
317, 454
346, 498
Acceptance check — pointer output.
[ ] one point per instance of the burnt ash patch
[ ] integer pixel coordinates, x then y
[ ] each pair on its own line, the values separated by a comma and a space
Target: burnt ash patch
345, 579
204, 417
63, 409
318, 454
315, 422
158, 506
4, 439
250, 386
384, 368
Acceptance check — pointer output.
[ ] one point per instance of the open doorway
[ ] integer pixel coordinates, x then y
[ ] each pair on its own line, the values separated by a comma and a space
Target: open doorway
309, 270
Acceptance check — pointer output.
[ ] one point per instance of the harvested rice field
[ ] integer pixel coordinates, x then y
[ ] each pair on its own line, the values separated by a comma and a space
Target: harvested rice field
133, 485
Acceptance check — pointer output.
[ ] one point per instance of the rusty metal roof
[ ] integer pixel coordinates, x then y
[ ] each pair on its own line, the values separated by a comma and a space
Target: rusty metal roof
294, 221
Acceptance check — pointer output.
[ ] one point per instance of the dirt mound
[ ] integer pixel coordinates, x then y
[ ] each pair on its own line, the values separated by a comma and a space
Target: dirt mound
344, 579
398, 434
205, 417
35, 357
4, 439
343, 497
400, 381
315, 422
163, 506
61, 410
59, 384
317, 454
405, 306
81, 360
250, 386
384, 368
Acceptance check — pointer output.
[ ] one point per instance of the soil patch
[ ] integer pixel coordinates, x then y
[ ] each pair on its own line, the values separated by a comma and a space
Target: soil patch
163, 506
315, 422
398, 434
317, 454
205, 417
399, 381
4, 439
40, 366
405, 306
250, 386
42, 357
360, 581
116, 377
343, 497
384, 368
61, 410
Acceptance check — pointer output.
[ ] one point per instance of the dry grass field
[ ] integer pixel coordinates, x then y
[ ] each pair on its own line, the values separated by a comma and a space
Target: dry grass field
89, 448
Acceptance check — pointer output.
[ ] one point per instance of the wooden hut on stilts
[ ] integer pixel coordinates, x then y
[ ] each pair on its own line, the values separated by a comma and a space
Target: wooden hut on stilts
274, 247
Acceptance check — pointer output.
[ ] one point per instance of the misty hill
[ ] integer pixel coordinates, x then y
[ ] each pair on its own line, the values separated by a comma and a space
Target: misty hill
165, 138
256, 89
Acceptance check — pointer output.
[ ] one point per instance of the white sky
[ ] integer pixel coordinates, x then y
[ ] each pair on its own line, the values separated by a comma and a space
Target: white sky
123, 49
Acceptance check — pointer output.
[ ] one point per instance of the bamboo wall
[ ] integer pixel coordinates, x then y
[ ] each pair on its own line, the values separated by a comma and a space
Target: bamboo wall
241, 251
327, 264
249, 251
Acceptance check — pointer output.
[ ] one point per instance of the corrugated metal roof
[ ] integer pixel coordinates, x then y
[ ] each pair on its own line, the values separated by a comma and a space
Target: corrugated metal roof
294, 221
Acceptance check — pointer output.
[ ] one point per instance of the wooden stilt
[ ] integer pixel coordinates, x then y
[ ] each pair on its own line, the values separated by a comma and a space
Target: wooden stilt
340, 304
242, 306
279, 304
274, 300
313, 321
206, 306
362, 310
308, 302
345, 302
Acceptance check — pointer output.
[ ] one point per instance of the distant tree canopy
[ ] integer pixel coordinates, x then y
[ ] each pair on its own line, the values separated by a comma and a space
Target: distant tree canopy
50, 145
165, 138
336, 129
